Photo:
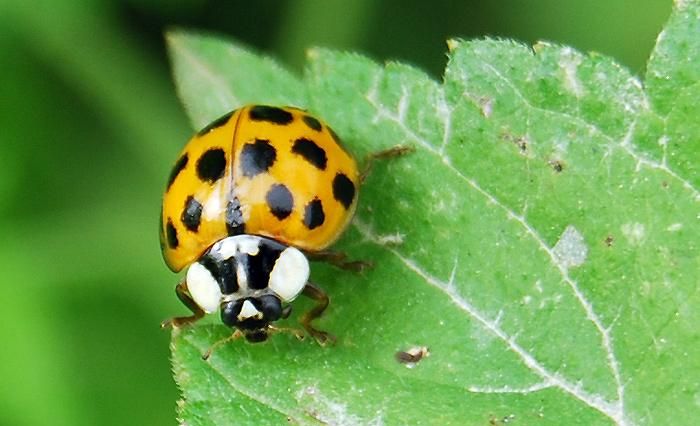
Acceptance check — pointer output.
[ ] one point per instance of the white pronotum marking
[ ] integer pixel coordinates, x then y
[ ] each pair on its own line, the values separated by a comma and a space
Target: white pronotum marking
230, 246
203, 288
290, 274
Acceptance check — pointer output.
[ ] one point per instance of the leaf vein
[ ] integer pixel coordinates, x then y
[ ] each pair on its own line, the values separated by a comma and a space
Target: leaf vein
625, 144
222, 90
606, 340
611, 409
295, 417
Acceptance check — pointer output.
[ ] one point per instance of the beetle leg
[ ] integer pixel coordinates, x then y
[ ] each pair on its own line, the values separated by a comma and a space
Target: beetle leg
322, 300
294, 331
396, 151
237, 334
339, 260
184, 295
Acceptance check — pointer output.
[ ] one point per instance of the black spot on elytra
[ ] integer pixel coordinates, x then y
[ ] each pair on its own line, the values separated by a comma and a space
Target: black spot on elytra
257, 157
192, 214
343, 189
171, 234
216, 123
311, 152
234, 218
270, 114
280, 201
312, 123
313, 214
211, 165
177, 168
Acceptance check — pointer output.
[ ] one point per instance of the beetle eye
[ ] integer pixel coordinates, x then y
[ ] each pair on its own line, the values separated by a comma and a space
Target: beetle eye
230, 311
270, 306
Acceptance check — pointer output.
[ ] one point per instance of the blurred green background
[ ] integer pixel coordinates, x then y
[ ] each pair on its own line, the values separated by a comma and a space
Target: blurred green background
89, 126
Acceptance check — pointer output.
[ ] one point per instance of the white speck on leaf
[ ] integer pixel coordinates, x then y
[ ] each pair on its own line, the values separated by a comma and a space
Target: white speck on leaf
391, 239
634, 232
674, 227
569, 62
331, 412
510, 389
481, 338
571, 249
486, 105
561, 146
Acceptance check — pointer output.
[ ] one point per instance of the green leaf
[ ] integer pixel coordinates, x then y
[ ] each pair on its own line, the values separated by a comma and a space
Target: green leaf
214, 77
541, 241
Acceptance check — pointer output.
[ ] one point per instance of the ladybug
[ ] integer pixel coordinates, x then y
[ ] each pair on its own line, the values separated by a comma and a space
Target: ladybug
252, 197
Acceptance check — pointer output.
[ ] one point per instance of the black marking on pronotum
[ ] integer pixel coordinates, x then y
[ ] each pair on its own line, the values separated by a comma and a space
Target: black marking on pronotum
216, 123
177, 168
311, 152
234, 217
280, 201
211, 165
212, 266
229, 280
223, 271
312, 123
257, 157
260, 265
171, 234
192, 214
270, 114
313, 214
343, 190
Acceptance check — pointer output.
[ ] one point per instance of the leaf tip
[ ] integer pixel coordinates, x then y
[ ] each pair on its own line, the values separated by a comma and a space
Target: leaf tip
173, 33
540, 46
313, 53
453, 44
680, 4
